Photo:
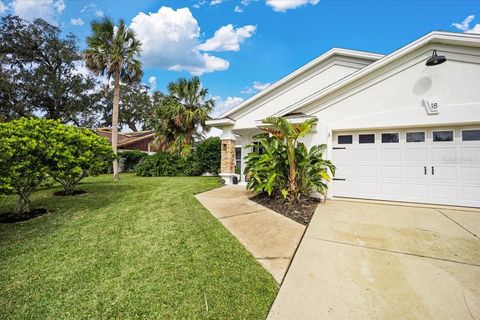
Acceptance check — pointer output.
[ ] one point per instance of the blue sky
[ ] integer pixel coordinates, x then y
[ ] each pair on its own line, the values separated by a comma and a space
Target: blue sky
239, 47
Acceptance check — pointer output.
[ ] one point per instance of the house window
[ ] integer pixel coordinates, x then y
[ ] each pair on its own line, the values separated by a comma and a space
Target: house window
442, 136
390, 137
415, 136
471, 135
345, 139
238, 160
366, 138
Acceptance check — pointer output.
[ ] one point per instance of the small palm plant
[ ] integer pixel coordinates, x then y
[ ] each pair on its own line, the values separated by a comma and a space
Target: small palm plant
112, 52
286, 167
181, 115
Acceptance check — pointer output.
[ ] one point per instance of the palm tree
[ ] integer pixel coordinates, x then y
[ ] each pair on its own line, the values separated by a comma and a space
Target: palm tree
289, 134
181, 115
112, 52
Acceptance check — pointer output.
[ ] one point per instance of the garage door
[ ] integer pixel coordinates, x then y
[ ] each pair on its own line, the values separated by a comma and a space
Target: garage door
435, 165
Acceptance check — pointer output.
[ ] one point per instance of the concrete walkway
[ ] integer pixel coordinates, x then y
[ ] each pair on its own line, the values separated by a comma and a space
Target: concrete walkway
270, 237
384, 261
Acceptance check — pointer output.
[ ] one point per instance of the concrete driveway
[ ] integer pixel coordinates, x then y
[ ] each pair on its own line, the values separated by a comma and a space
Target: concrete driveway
364, 260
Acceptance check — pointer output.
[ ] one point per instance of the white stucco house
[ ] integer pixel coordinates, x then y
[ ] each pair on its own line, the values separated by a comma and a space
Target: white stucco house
396, 128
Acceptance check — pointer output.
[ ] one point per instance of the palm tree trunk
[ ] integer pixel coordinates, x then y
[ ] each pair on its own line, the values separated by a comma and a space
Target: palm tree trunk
292, 176
116, 98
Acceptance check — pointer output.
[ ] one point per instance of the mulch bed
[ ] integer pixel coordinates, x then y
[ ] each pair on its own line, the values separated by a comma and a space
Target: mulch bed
11, 217
74, 193
301, 212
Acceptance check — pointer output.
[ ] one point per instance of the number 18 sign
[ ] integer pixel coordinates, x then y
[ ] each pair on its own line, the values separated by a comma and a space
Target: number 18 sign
431, 105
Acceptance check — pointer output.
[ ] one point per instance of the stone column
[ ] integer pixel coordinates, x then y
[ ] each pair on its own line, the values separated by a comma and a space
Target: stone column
228, 156
227, 168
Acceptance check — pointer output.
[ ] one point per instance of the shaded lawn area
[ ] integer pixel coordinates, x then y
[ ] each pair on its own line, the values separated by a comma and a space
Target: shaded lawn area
136, 248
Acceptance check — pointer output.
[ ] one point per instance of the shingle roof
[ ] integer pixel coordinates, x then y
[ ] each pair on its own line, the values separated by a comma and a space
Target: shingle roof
126, 138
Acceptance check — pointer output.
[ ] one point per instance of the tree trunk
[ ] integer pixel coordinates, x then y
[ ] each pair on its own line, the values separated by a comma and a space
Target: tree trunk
292, 174
116, 98
23, 204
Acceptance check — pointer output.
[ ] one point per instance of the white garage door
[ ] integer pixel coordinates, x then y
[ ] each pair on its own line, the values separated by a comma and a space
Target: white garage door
435, 165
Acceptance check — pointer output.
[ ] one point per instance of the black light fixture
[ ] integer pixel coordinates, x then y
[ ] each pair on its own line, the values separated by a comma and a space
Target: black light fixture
435, 59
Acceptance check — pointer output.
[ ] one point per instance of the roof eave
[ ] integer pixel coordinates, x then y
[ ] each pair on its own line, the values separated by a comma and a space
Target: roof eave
220, 122
330, 53
432, 37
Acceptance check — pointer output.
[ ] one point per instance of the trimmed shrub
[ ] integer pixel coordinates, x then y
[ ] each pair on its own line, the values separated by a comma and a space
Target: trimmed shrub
77, 153
168, 164
25, 151
32, 149
208, 155
130, 159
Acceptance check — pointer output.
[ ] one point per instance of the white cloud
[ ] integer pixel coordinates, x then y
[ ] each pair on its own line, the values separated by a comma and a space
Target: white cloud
465, 25
170, 40
227, 38
48, 10
199, 4
77, 22
59, 6
256, 86
284, 5
215, 2
3, 7
247, 90
238, 9
223, 105
92, 9
152, 81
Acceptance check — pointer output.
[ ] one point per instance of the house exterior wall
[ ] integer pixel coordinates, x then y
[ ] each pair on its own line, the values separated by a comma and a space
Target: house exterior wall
293, 92
396, 99
393, 97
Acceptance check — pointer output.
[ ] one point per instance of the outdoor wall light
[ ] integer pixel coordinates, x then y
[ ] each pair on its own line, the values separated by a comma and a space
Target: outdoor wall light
435, 59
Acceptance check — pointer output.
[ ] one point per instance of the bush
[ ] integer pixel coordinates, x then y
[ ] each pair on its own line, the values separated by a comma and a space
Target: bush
168, 164
286, 168
77, 153
208, 155
32, 149
130, 159
26, 149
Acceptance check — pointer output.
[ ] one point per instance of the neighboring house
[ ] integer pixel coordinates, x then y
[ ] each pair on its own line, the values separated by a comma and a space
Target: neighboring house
142, 140
396, 128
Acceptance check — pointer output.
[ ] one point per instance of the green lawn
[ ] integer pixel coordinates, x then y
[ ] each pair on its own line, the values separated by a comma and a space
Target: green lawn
137, 248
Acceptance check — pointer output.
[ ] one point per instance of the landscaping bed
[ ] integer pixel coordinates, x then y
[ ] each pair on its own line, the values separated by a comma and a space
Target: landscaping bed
301, 212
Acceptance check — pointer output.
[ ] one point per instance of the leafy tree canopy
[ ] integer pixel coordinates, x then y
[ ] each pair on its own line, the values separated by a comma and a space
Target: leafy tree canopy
39, 74
135, 107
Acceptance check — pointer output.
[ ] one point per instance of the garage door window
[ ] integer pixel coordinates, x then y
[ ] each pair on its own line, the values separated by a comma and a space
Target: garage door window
442, 136
390, 137
345, 139
471, 135
415, 136
366, 138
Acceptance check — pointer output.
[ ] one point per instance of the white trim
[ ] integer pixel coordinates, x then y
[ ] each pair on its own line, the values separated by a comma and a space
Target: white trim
330, 53
228, 136
292, 120
221, 122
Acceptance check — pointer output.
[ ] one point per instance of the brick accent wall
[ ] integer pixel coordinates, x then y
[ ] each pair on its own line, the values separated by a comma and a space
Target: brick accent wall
228, 156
